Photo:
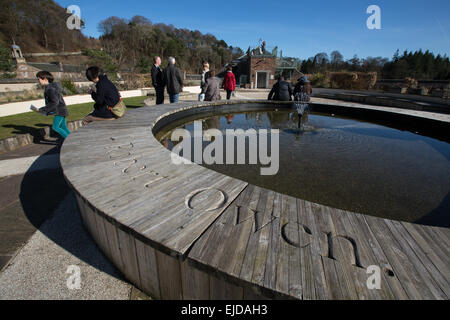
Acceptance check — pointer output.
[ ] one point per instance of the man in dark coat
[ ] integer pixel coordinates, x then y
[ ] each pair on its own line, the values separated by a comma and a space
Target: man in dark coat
173, 80
281, 91
157, 80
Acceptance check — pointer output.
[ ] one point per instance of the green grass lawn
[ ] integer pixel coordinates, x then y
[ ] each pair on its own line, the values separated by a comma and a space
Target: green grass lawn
28, 122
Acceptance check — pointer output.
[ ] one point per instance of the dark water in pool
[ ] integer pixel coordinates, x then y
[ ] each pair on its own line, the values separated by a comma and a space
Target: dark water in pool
347, 164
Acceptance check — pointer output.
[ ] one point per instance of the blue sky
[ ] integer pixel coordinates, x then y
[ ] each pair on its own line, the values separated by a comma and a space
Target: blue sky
299, 28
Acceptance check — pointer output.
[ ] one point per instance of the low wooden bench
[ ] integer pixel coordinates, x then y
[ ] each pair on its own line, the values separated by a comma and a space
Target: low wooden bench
187, 232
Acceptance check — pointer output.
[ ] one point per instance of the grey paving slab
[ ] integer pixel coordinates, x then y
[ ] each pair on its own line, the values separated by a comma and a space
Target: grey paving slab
39, 271
31, 150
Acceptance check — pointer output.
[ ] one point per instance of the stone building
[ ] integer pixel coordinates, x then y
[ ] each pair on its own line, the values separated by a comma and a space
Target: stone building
258, 68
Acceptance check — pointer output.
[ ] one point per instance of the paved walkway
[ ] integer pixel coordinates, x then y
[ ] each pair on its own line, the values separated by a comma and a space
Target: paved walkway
41, 234
39, 271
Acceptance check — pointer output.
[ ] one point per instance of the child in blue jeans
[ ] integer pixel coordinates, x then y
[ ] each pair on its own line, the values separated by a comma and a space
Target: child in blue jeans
54, 103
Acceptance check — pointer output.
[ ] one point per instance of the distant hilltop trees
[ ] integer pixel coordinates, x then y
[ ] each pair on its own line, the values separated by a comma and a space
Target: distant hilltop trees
417, 65
136, 41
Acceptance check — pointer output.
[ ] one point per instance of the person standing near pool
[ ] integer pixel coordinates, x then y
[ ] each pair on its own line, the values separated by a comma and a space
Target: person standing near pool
54, 103
173, 80
157, 80
229, 82
105, 96
211, 89
206, 74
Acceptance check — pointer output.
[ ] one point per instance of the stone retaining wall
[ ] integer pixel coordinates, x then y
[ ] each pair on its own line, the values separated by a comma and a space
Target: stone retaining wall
13, 143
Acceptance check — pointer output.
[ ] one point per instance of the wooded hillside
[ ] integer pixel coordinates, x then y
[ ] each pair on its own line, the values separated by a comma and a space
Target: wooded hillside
133, 43
39, 26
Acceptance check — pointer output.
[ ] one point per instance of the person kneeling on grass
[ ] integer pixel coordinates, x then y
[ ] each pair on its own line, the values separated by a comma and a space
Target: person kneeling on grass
54, 103
106, 96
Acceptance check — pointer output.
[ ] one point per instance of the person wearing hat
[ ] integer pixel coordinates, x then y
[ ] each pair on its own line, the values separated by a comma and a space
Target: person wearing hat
303, 90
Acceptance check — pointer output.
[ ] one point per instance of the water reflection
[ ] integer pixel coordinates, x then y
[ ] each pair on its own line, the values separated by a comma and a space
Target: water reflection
347, 164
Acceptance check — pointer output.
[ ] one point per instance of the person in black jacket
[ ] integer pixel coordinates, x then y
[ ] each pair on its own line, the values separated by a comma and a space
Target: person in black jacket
106, 96
205, 75
157, 80
173, 80
54, 103
281, 91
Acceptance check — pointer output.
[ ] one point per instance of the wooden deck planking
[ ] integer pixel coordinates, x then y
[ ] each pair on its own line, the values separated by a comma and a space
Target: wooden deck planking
306, 217
441, 264
256, 219
148, 269
402, 267
113, 244
423, 265
170, 281
357, 259
295, 284
270, 273
435, 241
194, 282
282, 258
222, 290
339, 254
368, 257
127, 249
396, 287
221, 252
216, 234
238, 239
259, 269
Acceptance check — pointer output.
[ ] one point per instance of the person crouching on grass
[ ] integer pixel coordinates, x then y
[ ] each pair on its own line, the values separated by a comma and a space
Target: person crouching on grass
105, 96
54, 103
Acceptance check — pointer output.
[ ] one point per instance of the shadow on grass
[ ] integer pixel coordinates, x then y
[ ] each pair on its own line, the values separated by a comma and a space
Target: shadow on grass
39, 137
18, 129
43, 125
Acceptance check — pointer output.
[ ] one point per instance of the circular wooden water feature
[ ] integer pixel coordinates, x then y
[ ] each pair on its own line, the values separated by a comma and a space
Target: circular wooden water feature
187, 232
